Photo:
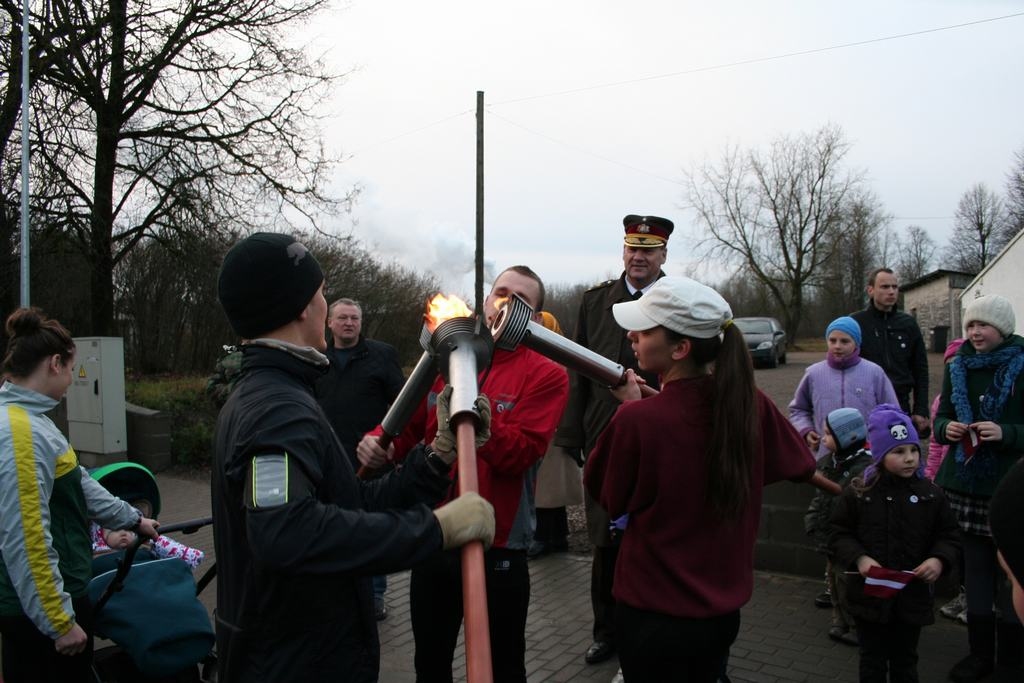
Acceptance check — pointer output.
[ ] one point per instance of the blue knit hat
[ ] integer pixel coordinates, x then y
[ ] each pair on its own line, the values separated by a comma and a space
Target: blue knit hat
848, 429
847, 325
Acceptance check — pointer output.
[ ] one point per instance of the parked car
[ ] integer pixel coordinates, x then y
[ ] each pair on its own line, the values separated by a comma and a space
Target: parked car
765, 338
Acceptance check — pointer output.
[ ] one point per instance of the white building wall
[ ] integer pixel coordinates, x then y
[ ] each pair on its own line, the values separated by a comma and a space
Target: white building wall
1003, 276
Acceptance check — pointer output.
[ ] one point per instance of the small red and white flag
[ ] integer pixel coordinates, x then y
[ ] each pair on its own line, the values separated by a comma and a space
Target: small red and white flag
886, 583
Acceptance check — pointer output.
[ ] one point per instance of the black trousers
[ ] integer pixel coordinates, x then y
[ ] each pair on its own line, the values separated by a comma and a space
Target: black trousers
29, 656
888, 649
435, 597
657, 647
553, 527
602, 572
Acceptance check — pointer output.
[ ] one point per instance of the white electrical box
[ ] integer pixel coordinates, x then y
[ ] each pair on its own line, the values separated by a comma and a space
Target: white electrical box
97, 426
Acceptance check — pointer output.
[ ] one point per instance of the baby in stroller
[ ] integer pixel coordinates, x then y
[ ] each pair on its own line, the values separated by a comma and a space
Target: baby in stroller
106, 541
145, 594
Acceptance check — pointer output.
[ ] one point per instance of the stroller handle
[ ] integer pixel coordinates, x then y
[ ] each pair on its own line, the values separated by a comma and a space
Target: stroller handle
187, 527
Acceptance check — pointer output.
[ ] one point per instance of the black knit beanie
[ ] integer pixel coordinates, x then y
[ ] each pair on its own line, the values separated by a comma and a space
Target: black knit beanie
266, 281
1006, 519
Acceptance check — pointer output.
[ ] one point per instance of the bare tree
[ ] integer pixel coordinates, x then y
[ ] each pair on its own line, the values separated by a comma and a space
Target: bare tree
746, 296
862, 242
1015, 195
776, 214
393, 298
979, 229
42, 52
915, 254
563, 301
167, 116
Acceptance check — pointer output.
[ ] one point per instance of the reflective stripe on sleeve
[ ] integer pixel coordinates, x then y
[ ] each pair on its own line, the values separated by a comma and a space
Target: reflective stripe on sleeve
269, 481
34, 537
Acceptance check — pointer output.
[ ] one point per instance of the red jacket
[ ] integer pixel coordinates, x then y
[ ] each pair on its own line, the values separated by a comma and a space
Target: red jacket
527, 393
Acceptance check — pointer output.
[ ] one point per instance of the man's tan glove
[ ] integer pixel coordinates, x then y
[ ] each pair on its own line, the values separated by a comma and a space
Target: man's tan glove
444, 442
467, 518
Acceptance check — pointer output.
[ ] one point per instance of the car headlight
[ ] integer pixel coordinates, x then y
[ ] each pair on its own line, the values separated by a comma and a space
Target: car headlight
764, 345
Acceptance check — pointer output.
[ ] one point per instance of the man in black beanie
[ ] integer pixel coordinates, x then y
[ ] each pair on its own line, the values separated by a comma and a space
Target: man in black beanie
297, 535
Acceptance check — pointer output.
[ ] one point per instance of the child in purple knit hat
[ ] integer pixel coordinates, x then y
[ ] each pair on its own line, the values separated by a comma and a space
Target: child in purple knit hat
892, 520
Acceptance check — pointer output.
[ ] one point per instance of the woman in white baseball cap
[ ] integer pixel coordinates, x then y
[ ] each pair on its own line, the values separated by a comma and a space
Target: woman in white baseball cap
688, 466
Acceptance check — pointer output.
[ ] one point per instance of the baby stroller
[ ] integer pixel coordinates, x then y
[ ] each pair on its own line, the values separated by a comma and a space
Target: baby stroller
146, 605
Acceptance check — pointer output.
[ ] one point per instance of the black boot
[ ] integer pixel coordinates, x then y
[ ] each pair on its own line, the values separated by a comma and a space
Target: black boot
1009, 652
981, 633
560, 529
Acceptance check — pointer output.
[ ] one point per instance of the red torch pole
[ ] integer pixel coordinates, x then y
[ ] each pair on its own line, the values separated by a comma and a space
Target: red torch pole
463, 347
474, 585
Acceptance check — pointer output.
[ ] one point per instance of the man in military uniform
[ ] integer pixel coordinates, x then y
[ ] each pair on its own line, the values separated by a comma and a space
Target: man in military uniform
591, 405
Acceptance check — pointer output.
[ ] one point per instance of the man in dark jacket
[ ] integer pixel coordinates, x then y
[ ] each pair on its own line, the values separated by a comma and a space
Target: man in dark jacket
362, 380
364, 377
893, 340
591, 405
297, 535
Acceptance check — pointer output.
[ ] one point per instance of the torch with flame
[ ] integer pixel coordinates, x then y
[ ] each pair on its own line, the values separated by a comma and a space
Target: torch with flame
442, 308
439, 309
459, 346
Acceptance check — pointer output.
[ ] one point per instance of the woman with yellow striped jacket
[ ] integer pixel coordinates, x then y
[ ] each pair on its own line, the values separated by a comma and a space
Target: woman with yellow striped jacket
46, 502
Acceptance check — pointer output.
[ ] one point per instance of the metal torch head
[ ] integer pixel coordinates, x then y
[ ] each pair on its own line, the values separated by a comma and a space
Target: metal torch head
510, 324
514, 325
462, 346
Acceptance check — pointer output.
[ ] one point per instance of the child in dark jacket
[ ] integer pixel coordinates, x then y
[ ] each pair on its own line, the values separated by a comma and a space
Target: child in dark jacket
844, 459
893, 518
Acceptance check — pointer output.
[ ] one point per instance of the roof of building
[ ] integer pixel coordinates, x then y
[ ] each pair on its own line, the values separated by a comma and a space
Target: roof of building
935, 275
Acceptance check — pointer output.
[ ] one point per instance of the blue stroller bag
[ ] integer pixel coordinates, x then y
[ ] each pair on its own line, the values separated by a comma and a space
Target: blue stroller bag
155, 617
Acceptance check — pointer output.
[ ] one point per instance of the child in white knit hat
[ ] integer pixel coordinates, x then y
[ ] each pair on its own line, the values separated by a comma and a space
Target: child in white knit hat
981, 417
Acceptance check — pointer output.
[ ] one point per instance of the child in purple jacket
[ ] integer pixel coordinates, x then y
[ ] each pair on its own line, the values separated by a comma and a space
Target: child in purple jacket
842, 380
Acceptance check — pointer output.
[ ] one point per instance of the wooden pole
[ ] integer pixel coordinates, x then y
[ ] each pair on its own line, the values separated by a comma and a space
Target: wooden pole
479, 203
474, 585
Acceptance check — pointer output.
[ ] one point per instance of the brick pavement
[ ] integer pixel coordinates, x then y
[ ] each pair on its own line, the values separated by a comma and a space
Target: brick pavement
782, 635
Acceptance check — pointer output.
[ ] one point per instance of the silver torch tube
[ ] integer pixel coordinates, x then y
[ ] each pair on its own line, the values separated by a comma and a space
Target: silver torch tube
413, 391
409, 398
514, 325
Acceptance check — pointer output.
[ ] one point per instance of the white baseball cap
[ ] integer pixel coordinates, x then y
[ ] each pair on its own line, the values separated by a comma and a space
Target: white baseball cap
682, 305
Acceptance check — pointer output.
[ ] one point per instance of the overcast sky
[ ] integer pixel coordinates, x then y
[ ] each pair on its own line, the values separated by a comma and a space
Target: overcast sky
595, 110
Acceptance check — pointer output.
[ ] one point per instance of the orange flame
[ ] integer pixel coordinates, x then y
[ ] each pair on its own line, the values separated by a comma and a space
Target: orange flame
500, 303
442, 308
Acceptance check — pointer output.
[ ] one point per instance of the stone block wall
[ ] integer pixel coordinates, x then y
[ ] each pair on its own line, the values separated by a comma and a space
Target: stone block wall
782, 544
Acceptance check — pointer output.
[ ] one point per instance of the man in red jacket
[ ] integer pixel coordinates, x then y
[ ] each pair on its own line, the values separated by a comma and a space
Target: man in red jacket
527, 393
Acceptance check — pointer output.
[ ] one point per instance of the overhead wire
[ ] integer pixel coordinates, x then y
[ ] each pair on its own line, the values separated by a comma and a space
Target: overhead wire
580, 149
489, 108
758, 60
385, 141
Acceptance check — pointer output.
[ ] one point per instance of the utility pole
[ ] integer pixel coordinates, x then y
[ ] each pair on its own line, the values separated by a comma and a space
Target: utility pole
480, 203
24, 154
